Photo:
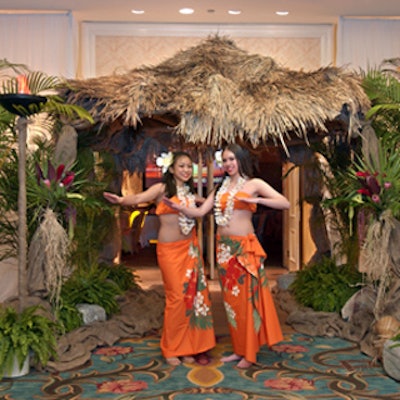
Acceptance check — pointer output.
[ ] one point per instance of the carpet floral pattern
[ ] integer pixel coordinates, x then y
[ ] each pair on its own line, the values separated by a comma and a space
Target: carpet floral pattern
300, 367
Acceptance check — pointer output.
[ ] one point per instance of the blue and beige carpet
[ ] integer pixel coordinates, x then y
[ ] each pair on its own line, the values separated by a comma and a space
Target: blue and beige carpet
301, 367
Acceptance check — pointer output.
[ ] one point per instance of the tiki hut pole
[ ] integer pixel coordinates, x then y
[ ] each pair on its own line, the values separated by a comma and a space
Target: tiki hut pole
200, 193
210, 233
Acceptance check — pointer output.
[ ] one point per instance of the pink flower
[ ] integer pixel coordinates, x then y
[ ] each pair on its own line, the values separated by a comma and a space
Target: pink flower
47, 182
375, 198
121, 386
387, 185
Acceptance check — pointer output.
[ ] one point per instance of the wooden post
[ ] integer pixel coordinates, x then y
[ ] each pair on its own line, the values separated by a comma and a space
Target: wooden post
210, 235
22, 228
200, 193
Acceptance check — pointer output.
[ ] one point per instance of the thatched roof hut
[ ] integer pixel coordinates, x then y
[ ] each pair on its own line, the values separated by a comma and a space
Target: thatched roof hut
215, 93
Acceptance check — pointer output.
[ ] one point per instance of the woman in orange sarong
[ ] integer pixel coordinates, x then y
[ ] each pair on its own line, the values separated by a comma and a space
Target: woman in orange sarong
188, 326
249, 305
248, 302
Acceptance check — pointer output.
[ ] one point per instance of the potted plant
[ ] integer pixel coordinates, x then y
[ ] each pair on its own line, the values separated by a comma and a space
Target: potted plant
25, 334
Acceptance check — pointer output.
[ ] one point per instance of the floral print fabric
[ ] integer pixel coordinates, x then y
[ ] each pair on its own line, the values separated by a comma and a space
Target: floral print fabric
248, 302
188, 325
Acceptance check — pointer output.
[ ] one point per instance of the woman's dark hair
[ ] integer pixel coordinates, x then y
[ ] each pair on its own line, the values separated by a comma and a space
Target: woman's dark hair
243, 158
168, 178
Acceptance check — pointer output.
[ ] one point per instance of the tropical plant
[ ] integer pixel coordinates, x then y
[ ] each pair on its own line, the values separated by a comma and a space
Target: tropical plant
68, 316
371, 186
39, 83
122, 275
49, 116
335, 157
382, 86
324, 286
91, 285
25, 333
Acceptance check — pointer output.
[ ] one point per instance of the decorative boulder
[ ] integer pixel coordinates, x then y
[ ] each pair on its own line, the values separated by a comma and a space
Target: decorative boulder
391, 359
91, 313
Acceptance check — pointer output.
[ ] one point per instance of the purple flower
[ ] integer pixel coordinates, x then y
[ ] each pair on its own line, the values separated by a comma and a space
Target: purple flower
373, 184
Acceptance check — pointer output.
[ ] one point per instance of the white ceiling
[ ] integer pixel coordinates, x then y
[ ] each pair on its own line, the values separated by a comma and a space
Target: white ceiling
211, 11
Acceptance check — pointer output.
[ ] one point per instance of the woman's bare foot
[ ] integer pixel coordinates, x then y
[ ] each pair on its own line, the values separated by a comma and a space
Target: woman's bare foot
174, 361
244, 364
231, 358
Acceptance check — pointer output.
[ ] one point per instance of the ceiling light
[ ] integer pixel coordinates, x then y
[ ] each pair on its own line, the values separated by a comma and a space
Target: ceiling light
234, 12
282, 13
137, 11
186, 11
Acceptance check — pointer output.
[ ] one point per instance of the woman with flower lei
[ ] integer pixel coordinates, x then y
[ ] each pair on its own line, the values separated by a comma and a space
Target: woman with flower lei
188, 327
250, 309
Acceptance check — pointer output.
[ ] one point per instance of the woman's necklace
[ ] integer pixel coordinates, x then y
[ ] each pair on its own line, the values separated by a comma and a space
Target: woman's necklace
222, 219
186, 199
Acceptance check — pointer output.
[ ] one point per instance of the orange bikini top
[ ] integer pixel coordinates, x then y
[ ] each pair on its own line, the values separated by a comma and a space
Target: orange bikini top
237, 204
162, 208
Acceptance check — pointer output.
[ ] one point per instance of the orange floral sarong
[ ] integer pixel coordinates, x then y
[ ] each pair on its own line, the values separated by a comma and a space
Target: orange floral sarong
250, 308
188, 325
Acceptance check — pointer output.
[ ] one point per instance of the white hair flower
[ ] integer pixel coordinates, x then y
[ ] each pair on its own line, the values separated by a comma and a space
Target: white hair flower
164, 161
218, 157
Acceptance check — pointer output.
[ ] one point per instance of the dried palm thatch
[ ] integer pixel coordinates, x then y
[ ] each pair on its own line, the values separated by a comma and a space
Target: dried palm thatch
48, 264
220, 93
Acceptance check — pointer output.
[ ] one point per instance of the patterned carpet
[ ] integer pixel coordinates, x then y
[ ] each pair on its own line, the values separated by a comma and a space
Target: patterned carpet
301, 367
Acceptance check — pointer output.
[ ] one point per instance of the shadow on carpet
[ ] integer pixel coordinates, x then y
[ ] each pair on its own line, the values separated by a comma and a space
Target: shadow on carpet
300, 367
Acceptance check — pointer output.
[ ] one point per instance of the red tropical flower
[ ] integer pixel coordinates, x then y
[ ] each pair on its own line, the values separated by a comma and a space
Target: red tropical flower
114, 350
289, 348
60, 170
290, 384
190, 292
233, 273
121, 386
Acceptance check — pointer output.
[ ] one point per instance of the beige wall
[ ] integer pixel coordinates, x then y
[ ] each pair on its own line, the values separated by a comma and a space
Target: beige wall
108, 48
122, 53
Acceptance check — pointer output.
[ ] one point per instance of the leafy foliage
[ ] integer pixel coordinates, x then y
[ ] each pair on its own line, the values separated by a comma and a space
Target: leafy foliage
39, 83
338, 155
324, 286
91, 285
383, 89
25, 332
68, 316
122, 275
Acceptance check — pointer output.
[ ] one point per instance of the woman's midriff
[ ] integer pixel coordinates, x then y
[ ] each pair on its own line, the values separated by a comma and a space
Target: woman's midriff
239, 225
169, 230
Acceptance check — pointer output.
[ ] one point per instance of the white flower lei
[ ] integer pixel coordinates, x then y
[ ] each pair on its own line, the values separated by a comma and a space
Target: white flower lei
222, 219
186, 224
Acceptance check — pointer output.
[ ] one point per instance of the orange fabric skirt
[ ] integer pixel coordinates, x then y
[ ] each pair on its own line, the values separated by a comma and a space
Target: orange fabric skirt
188, 326
250, 308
